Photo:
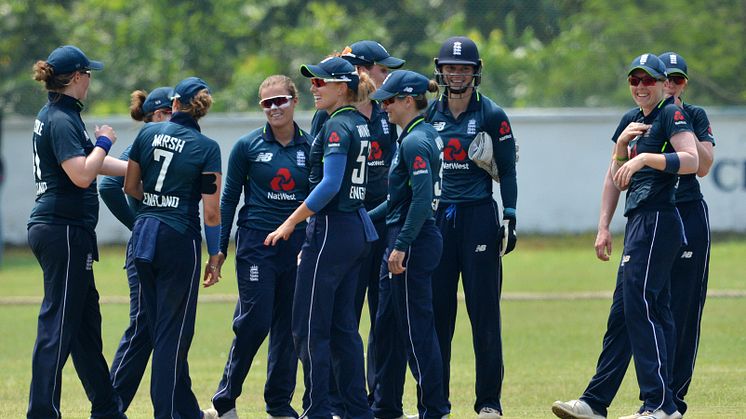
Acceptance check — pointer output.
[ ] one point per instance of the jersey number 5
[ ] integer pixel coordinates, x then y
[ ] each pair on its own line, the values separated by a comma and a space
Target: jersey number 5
167, 156
358, 173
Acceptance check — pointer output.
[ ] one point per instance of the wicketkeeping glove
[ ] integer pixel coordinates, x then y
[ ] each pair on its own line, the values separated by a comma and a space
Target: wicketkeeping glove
508, 236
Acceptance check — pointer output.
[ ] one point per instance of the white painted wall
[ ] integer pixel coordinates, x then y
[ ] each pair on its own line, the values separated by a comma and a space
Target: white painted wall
564, 154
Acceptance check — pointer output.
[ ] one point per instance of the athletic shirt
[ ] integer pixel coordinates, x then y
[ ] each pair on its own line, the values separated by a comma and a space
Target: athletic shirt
414, 180
382, 146
346, 132
172, 157
463, 180
59, 135
652, 189
272, 177
688, 189
110, 189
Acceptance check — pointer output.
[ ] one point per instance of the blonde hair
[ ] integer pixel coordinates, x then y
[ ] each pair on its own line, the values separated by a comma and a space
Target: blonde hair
44, 73
137, 99
198, 106
280, 79
420, 101
365, 88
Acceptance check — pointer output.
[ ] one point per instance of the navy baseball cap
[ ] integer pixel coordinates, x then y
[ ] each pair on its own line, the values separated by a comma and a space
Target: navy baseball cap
332, 68
188, 88
675, 63
68, 58
159, 98
367, 53
458, 50
401, 83
650, 64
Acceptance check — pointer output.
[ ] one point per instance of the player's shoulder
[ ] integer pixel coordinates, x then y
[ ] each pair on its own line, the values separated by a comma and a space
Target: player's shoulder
490, 108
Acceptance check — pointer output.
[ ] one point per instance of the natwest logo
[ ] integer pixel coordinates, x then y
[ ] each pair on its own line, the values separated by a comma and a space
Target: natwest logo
282, 181
504, 128
333, 137
678, 116
419, 163
375, 151
453, 151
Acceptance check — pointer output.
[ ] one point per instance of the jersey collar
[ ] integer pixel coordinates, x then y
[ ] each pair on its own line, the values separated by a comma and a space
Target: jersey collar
410, 126
298, 137
184, 119
65, 101
342, 109
649, 118
474, 102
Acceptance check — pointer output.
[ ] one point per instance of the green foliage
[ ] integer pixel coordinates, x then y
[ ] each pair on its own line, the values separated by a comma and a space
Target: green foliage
535, 52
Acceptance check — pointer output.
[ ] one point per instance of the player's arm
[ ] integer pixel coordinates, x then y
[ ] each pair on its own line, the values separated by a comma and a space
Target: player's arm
133, 180
113, 167
210, 187
82, 170
238, 172
706, 153
683, 161
609, 200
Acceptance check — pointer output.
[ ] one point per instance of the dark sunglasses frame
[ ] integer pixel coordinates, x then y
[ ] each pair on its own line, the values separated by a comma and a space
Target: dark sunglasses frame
319, 82
646, 81
275, 100
675, 79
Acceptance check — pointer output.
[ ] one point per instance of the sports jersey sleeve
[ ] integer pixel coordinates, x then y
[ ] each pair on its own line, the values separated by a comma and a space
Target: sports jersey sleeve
317, 122
503, 148
701, 125
212, 162
674, 120
111, 192
334, 169
335, 138
238, 171
136, 148
626, 119
67, 140
416, 156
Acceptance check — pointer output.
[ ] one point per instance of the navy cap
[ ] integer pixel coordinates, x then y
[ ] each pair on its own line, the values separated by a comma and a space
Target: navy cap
68, 58
650, 64
159, 98
188, 88
458, 50
367, 53
333, 68
401, 83
675, 63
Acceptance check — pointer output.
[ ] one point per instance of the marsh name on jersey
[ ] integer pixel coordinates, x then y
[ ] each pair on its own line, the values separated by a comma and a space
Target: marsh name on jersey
168, 142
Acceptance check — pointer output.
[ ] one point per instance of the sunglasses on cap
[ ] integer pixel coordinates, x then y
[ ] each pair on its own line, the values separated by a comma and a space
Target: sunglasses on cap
646, 81
322, 82
677, 79
276, 101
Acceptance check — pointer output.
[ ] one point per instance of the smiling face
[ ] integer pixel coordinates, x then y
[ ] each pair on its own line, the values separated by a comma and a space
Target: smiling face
458, 77
646, 97
281, 108
327, 95
675, 85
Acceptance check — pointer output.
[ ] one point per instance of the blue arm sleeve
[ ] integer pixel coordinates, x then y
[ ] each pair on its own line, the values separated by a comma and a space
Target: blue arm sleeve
420, 208
110, 189
238, 170
378, 213
334, 169
504, 152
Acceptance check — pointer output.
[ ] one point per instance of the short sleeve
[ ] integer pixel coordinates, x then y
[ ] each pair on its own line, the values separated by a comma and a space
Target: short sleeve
336, 137
67, 140
213, 163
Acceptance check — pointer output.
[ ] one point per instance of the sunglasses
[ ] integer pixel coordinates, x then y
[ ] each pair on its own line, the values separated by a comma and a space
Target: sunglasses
677, 79
646, 81
276, 101
85, 72
322, 82
166, 111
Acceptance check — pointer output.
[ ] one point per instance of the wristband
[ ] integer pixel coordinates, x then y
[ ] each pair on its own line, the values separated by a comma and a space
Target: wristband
104, 142
672, 163
620, 159
212, 236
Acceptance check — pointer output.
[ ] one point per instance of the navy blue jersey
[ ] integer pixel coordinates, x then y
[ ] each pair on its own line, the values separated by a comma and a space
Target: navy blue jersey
346, 132
110, 189
59, 135
652, 189
382, 147
463, 180
172, 157
414, 180
272, 177
688, 188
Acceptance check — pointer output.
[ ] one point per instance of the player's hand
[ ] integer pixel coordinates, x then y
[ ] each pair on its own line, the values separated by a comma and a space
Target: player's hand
106, 131
632, 130
212, 270
623, 175
283, 232
603, 244
508, 236
396, 262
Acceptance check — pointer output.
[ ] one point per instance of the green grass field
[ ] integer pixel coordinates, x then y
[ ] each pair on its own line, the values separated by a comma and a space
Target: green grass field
550, 344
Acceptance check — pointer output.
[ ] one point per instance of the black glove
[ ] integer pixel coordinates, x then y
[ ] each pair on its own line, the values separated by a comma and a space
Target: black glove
508, 236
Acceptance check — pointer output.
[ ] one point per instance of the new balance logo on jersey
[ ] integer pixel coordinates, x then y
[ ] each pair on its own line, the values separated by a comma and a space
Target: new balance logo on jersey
480, 248
439, 125
264, 157
300, 159
687, 254
471, 129
254, 273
